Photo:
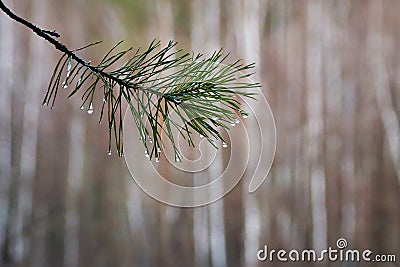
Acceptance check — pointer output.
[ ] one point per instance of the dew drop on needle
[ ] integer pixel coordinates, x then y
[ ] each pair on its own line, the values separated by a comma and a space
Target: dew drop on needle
69, 66
90, 110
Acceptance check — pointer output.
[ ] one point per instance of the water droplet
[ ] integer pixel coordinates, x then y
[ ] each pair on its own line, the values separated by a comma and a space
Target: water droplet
159, 150
65, 85
82, 107
157, 159
244, 114
90, 110
109, 152
177, 159
201, 136
45, 104
237, 121
178, 101
79, 81
214, 118
69, 66
104, 100
146, 154
224, 145
232, 123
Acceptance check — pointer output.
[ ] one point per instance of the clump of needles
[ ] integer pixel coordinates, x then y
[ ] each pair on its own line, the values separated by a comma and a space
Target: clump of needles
204, 92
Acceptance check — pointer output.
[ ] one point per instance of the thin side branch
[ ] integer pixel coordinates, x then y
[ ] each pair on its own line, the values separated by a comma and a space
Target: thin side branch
48, 36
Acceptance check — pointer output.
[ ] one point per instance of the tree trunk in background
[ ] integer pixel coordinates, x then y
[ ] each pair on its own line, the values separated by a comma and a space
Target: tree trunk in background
199, 43
171, 218
208, 222
251, 38
165, 20
332, 108
73, 193
76, 161
315, 14
233, 202
294, 83
390, 121
216, 219
36, 61
6, 85
377, 42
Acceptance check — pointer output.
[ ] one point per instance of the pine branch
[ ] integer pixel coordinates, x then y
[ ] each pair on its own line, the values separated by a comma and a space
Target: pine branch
155, 82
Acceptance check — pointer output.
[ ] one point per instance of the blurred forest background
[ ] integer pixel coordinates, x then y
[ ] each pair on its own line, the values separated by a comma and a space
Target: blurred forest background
331, 73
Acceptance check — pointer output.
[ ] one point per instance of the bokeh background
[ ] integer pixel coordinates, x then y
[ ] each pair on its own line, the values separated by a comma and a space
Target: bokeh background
331, 73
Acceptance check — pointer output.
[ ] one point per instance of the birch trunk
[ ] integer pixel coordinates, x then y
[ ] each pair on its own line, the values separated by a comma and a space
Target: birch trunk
73, 191
251, 50
6, 85
387, 112
201, 233
76, 160
36, 71
315, 123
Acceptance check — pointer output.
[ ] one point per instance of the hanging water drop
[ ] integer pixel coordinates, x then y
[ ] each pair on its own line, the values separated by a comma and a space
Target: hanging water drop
157, 159
244, 114
79, 81
237, 121
232, 123
82, 107
90, 110
146, 154
224, 145
104, 100
177, 158
69, 66
109, 152
201, 136
65, 85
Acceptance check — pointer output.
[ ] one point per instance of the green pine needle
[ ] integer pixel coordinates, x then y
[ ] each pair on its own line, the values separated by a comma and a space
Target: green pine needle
203, 92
